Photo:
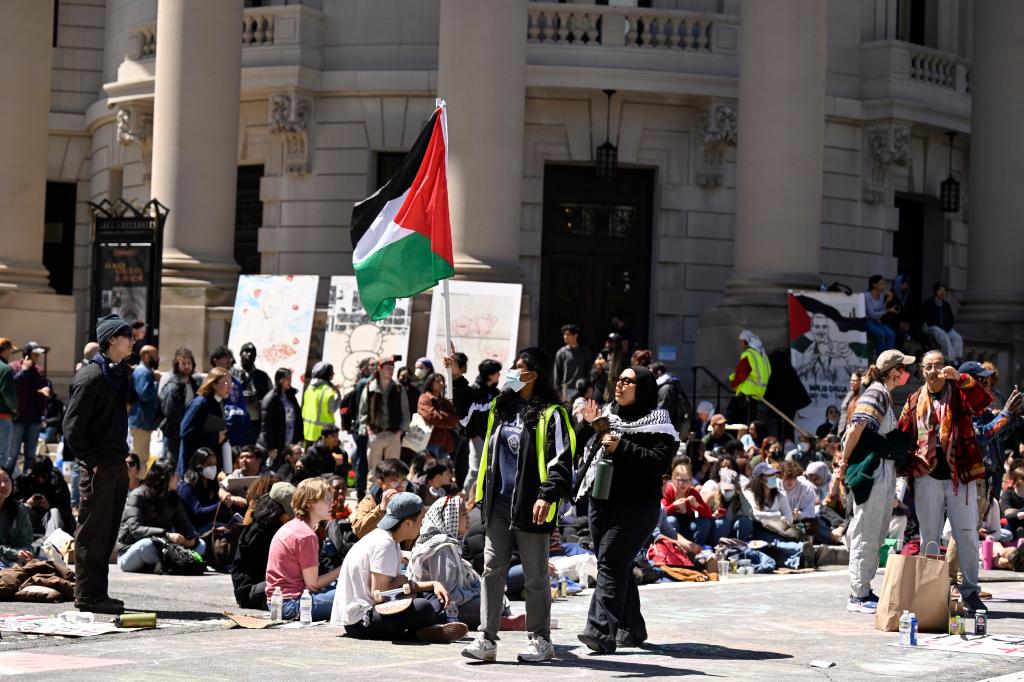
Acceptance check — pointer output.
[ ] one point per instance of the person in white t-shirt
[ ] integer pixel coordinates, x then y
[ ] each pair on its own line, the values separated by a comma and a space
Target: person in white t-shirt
374, 565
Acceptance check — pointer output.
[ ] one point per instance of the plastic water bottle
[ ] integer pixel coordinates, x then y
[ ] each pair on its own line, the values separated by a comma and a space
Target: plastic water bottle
276, 604
913, 629
305, 609
451, 614
77, 617
905, 628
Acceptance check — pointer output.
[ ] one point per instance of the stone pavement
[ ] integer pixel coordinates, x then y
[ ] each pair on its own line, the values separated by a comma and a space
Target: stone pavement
758, 627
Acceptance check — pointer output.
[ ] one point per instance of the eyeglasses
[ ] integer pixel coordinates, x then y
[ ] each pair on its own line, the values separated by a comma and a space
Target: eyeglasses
931, 367
626, 381
684, 480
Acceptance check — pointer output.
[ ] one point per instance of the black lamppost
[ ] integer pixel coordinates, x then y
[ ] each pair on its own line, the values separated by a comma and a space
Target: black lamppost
606, 157
949, 189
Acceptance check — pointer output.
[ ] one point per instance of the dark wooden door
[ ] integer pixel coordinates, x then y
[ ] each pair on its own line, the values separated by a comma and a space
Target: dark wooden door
596, 253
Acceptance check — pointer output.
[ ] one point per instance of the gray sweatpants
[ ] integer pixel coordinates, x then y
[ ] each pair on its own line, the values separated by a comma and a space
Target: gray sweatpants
934, 501
868, 528
533, 552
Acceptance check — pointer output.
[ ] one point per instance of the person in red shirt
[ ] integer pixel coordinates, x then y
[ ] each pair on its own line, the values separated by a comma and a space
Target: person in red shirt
686, 510
293, 564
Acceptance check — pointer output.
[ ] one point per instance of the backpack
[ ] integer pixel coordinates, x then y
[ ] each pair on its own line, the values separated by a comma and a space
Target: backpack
665, 552
178, 560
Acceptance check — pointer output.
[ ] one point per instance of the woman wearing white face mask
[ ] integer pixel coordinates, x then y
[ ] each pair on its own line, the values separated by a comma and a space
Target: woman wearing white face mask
525, 470
200, 493
773, 517
734, 517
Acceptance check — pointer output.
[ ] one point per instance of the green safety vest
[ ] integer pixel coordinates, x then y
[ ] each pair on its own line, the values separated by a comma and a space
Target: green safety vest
316, 413
540, 439
760, 371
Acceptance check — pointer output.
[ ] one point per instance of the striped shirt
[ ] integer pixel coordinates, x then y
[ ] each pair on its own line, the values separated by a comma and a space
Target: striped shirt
874, 409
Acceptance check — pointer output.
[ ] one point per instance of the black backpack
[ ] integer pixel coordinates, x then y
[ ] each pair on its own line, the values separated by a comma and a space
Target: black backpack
178, 560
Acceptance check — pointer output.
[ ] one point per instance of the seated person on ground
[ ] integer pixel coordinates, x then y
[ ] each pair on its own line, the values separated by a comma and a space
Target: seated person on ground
328, 450
251, 462
15, 525
201, 494
293, 563
373, 565
437, 483
732, 513
47, 497
686, 510
391, 480
286, 461
153, 510
772, 516
134, 467
255, 491
1011, 504
249, 570
437, 555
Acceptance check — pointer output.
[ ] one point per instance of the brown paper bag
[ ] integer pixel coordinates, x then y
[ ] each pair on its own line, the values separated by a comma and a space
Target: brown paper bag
919, 584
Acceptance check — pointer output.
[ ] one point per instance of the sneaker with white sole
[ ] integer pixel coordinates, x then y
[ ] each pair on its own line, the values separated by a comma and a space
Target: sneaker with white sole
538, 650
862, 604
482, 649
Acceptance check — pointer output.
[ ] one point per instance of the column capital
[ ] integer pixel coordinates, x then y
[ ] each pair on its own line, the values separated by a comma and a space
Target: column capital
135, 126
716, 130
290, 116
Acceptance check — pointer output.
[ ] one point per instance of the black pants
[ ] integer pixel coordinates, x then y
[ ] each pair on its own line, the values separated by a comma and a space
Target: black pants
618, 533
99, 517
423, 612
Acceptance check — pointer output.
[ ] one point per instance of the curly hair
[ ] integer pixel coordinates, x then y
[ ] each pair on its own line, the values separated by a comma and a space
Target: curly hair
544, 393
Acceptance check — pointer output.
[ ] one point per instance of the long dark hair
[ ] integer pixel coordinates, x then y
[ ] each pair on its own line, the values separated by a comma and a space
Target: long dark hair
267, 511
11, 503
544, 393
193, 474
757, 486
155, 485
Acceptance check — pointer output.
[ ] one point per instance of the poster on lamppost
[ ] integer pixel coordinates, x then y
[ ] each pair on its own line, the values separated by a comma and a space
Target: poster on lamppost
828, 342
124, 280
485, 323
351, 336
275, 313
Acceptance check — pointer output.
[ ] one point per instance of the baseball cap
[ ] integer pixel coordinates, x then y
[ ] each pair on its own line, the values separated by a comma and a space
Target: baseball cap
281, 492
975, 369
890, 358
401, 507
6, 343
33, 348
765, 469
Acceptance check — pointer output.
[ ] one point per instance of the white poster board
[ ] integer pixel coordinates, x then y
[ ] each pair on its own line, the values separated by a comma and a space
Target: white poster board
828, 342
275, 313
351, 336
485, 323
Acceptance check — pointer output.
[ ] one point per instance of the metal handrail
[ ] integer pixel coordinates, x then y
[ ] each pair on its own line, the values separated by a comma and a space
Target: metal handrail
719, 387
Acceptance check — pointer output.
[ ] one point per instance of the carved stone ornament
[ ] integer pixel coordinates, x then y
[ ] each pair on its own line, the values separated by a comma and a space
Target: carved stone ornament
135, 126
888, 146
290, 117
716, 130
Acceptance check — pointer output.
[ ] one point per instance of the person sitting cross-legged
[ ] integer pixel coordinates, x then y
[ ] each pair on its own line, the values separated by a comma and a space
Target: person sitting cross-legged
372, 566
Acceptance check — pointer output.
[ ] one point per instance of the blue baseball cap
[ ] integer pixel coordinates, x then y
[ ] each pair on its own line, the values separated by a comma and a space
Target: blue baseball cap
401, 507
975, 369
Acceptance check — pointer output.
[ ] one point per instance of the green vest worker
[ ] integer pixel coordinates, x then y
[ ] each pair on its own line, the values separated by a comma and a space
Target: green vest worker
319, 402
753, 370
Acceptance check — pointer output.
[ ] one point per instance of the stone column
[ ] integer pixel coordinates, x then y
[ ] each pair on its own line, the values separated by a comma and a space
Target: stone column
195, 140
995, 293
779, 159
26, 29
482, 75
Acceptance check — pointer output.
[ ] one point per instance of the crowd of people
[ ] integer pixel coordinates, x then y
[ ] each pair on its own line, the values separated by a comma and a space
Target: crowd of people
511, 490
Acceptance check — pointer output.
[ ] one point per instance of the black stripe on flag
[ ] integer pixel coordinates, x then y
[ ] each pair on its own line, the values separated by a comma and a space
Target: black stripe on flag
367, 210
845, 324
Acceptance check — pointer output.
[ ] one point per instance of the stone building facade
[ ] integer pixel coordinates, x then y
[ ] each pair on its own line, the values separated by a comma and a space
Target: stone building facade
761, 145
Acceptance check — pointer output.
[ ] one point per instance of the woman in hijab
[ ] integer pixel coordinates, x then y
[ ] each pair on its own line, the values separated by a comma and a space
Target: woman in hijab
437, 555
641, 441
819, 475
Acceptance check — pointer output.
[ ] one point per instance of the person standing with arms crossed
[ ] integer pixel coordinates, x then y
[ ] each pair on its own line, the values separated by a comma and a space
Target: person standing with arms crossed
96, 432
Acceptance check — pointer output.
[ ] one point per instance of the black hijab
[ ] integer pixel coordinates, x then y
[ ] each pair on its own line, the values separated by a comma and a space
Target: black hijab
646, 396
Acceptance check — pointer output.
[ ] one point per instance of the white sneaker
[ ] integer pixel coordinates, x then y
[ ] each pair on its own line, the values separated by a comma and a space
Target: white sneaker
482, 649
538, 650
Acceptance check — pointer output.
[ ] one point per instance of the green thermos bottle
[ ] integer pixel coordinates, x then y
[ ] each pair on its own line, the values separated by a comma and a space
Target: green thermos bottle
603, 478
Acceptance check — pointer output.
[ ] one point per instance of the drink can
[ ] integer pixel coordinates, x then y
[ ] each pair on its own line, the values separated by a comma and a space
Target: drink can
954, 626
981, 622
563, 588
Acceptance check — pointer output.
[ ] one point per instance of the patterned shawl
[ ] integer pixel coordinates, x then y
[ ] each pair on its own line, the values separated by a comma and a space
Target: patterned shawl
440, 530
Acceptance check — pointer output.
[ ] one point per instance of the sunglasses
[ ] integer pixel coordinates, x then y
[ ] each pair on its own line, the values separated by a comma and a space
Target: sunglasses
626, 381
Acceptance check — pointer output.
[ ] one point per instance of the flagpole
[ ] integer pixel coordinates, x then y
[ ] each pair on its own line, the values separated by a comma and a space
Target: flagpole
447, 336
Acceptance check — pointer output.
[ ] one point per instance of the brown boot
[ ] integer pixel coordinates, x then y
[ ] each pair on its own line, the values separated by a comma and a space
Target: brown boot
442, 634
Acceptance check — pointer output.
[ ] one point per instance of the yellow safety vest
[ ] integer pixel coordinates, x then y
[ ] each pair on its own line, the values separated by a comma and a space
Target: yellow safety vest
540, 439
316, 413
760, 371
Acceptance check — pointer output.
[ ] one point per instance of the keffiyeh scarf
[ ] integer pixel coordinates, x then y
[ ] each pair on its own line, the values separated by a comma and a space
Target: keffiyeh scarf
440, 530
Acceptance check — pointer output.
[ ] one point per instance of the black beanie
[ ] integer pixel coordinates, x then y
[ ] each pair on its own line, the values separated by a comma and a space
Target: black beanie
110, 326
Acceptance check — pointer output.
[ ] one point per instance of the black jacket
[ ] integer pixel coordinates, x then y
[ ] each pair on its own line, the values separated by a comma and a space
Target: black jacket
172, 406
250, 566
481, 395
146, 517
641, 460
54, 489
326, 458
528, 488
272, 421
462, 395
96, 418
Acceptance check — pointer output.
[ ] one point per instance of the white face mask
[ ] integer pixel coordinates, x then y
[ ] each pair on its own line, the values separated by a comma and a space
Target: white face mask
772, 482
728, 494
803, 447
421, 373
513, 381
210, 472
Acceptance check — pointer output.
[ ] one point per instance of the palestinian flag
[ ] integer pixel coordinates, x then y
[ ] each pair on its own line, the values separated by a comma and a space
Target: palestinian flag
401, 235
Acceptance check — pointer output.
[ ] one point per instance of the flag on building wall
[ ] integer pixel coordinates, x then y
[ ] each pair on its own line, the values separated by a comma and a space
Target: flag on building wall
401, 235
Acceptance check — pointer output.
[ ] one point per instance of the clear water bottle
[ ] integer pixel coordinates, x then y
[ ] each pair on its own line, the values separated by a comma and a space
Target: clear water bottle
276, 604
905, 629
305, 608
77, 617
451, 614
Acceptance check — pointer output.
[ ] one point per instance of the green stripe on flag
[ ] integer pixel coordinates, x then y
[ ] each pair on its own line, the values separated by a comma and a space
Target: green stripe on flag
399, 270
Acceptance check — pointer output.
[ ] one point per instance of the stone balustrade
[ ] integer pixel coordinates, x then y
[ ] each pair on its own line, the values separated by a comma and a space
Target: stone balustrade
933, 67
627, 27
